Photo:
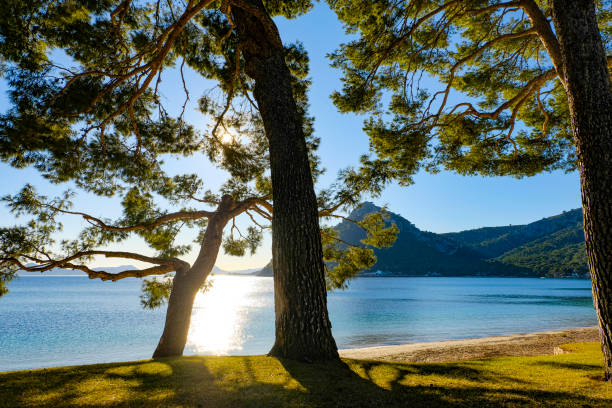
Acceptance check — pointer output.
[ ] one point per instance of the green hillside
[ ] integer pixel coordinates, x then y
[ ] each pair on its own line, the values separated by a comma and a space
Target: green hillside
561, 253
552, 247
495, 241
418, 253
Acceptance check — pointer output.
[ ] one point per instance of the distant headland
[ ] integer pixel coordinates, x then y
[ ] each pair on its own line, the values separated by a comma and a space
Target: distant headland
551, 247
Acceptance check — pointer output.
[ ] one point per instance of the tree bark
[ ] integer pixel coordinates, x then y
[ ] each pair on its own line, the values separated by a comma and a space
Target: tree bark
186, 284
590, 101
303, 329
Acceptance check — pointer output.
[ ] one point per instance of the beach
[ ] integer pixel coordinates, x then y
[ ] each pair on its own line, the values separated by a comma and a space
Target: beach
526, 344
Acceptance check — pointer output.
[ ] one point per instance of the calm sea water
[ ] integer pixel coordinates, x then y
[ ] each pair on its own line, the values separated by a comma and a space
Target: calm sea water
52, 321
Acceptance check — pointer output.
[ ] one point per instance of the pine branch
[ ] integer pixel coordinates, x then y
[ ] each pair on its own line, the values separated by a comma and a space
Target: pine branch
163, 265
340, 240
470, 57
148, 71
176, 216
255, 221
348, 219
546, 34
133, 273
529, 89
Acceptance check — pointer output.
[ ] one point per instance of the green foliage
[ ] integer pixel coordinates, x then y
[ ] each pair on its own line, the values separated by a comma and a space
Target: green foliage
156, 291
5, 278
345, 260
238, 246
378, 235
69, 115
84, 108
460, 85
288, 8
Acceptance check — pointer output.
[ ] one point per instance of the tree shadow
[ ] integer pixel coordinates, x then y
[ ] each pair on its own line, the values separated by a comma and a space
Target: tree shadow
257, 381
571, 366
460, 370
357, 383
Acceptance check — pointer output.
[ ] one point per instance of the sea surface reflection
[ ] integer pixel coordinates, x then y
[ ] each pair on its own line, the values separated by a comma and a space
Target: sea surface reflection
221, 314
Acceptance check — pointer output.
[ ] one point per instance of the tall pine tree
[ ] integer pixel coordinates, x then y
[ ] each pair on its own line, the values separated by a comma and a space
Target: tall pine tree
157, 207
495, 88
84, 77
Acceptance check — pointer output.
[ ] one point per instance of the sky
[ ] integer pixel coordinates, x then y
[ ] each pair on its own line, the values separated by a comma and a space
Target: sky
442, 202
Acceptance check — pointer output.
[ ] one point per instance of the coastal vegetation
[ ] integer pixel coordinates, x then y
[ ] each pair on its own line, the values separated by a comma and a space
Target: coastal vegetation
496, 88
29, 247
92, 115
572, 379
478, 87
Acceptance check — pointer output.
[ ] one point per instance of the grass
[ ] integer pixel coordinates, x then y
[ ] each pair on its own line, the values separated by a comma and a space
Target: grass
565, 380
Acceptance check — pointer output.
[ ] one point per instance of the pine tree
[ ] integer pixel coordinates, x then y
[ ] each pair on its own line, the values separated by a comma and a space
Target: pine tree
158, 207
32, 246
494, 88
85, 107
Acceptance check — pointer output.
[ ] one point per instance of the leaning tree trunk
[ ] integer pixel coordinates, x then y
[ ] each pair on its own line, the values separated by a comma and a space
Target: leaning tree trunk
303, 329
587, 83
178, 315
186, 284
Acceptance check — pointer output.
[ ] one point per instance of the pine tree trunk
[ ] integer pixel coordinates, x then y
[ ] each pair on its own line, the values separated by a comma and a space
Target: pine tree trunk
178, 316
185, 287
303, 329
587, 82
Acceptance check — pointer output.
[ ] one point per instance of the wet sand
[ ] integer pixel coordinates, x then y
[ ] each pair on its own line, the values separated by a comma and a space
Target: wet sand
531, 344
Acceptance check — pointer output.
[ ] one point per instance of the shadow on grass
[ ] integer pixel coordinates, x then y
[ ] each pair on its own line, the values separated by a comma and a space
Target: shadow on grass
267, 382
390, 385
571, 366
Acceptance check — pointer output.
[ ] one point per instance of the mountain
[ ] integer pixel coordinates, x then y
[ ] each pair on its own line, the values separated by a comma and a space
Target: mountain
422, 253
495, 241
218, 271
552, 247
265, 271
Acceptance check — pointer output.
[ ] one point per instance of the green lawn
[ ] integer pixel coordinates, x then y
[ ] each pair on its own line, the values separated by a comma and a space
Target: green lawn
566, 380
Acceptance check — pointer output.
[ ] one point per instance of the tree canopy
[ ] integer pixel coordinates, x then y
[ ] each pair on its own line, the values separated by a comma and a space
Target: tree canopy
84, 79
93, 115
493, 88
471, 86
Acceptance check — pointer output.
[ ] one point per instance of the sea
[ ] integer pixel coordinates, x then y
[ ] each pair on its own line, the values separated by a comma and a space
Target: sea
48, 321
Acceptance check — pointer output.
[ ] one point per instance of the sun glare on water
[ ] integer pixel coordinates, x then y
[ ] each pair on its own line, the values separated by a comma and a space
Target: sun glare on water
219, 316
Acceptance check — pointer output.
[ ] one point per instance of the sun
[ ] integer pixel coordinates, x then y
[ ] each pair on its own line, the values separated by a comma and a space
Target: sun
225, 136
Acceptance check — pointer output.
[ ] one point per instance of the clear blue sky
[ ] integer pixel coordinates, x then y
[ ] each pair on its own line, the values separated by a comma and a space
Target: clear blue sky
440, 203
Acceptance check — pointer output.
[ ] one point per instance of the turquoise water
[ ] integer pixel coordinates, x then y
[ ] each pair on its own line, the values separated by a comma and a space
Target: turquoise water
52, 321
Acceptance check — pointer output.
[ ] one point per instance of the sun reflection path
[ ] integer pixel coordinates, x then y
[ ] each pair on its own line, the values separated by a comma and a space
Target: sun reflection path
219, 316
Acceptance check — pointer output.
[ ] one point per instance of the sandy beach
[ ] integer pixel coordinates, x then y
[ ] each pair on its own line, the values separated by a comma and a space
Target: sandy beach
529, 344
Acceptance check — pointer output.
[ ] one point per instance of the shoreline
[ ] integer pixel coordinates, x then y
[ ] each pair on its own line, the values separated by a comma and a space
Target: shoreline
513, 345
521, 344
